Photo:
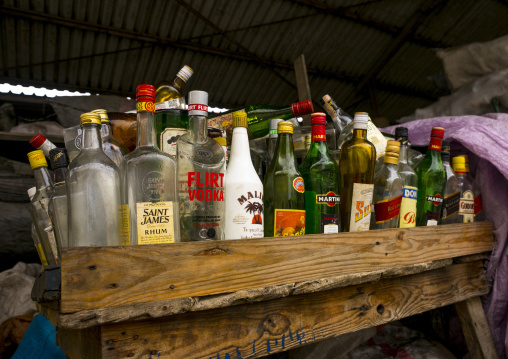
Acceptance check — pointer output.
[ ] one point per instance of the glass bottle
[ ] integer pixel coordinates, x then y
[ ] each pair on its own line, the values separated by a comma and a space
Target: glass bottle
42, 143
149, 182
201, 175
340, 119
35, 237
407, 218
387, 191
244, 199
466, 206
431, 182
113, 148
169, 93
93, 191
284, 189
451, 201
272, 140
170, 125
39, 207
357, 162
58, 202
320, 174
308, 140
479, 214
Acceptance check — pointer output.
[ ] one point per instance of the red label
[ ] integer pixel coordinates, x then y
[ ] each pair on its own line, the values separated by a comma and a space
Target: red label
478, 205
318, 133
197, 107
145, 106
289, 222
387, 209
435, 144
298, 185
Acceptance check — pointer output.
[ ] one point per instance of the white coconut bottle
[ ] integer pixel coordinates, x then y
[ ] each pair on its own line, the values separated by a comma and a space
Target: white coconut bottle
244, 190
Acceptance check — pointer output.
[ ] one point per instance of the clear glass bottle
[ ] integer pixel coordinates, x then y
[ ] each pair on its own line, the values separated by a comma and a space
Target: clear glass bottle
93, 191
479, 213
466, 205
149, 182
272, 141
113, 148
340, 119
169, 93
39, 207
407, 218
35, 237
58, 202
201, 176
451, 201
387, 191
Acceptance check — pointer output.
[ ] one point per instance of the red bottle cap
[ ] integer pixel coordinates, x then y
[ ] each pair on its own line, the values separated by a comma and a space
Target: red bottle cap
437, 132
37, 140
302, 108
146, 92
318, 118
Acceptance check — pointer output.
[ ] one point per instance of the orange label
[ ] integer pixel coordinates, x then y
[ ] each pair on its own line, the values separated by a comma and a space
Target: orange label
145, 107
298, 184
289, 222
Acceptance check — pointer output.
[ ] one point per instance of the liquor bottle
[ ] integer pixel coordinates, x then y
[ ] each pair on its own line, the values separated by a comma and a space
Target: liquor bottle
35, 237
170, 125
308, 140
479, 214
169, 93
223, 143
431, 182
149, 182
93, 191
39, 207
320, 174
451, 201
340, 119
356, 164
259, 116
113, 148
272, 140
244, 200
201, 176
466, 206
409, 180
58, 202
387, 190
42, 143
284, 189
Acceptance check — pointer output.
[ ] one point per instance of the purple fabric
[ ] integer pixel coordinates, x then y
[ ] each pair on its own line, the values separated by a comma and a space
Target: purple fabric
485, 140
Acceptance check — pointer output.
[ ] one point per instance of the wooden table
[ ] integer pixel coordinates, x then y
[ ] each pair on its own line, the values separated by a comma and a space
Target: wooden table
250, 298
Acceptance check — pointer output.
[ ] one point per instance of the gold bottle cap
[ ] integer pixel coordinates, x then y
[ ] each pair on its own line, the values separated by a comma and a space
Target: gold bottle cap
90, 117
37, 159
459, 164
467, 161
392, 152
221, 141
285, 127
103, 114
239, 119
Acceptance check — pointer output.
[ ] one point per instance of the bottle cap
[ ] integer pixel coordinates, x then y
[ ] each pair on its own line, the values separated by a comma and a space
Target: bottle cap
392, 152
326, 98
459, 164
273, 127
239, 119
285, 127
445, 146
221, 141
300, 109
318, 118
37, 140
185, 73
437, 132
58, 158
198, 103
361, 120
103, 114
31, 192
90, 117
401, 134
145, 93
37, 159
466, 158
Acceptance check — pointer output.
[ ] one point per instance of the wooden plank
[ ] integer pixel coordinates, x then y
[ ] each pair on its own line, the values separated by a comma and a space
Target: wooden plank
250, 331
97, 277
80, 344
476, 329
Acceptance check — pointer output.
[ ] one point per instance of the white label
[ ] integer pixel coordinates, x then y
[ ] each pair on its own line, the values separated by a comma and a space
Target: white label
361, 207
431, 222
170, 104
244, 211
466, 206
331, 228
168, 139
155, 222
378, 140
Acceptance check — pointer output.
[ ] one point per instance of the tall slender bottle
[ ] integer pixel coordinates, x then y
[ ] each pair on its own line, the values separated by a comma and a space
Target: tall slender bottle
58, 202
284, 189
35, 236
340, 119
169, 93
479, 214
431, 182
407, 218
320, 174
356, 164
93, 191
149, 182
244, 200
466, 206
42, 143
450, 209
201, 176
272, 140
113, 148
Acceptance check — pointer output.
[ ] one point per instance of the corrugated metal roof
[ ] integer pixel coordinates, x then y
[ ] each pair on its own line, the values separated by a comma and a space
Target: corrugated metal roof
238, 48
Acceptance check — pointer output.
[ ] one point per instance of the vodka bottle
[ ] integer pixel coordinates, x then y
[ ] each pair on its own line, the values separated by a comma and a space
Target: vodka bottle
244, 200
466, 205
58, 202
35, 237
169, 93
113, 148
42, 143
93, 191
409, 180
272, 140
149, 182
451, 201
201, 176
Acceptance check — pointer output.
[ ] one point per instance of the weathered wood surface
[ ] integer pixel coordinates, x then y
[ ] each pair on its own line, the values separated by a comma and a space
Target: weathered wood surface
80, 344
263, 328
94, 278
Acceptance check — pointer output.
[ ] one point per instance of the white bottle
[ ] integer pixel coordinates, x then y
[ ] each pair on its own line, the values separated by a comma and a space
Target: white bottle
244, 190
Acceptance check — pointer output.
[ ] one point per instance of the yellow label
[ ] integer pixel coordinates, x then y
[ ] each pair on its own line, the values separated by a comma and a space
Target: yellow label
289, 222
361, 207
378, 140
37, 159
44, 261
408, 207
155, 222
145, 107
124, 223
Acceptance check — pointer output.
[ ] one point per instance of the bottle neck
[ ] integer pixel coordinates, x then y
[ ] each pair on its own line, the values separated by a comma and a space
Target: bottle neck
59, 175
198, 131
42, 178
445, 158
178, 83
91, 137
105, 129
147, 136
360, 133
240, 149
318, 137
284, 151
403, 153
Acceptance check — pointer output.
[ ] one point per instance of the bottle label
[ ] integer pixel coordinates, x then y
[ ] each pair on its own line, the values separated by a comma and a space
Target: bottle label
378, 140
289, 222
408, 207
318, 133
125, 234
433, 216
298, 185
196, 109
214, 183
478, 205
387, 209
330, 199
155, 222
245, 215
467, 206
451, 205
361, 207
329, 223
168, 139
435, 144
145, 106
171, 104
273, 132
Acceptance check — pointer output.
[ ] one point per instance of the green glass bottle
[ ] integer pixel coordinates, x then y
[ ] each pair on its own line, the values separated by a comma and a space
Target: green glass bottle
356, 164
320, 174
284, 189
431, 182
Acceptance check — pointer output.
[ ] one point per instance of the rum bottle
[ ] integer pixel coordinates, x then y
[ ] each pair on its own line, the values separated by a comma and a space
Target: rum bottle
466, 205
407, 218
58, 202
169, 93
451, 201
113, 148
